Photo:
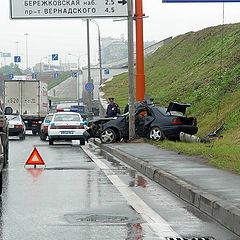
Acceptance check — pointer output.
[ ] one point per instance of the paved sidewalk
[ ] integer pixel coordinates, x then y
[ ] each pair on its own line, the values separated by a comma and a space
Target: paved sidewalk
213, 191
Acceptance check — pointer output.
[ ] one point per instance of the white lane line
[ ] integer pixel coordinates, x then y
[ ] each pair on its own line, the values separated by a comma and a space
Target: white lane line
154, 220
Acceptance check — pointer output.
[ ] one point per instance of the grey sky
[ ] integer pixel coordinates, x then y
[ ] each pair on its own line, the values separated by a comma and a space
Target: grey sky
69, 36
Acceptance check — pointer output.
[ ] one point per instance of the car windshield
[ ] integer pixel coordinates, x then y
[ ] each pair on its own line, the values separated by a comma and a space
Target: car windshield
80, 109
164, 112
13, 117
67, 118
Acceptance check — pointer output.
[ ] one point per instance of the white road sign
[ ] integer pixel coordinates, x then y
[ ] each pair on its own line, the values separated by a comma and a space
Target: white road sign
24, 9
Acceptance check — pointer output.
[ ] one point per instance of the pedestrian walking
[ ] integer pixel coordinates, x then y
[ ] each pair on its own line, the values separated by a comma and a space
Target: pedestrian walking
113, 109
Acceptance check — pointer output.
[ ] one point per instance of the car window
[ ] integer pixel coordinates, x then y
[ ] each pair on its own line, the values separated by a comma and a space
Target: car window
80, 109
13, 117
163, 111
67, 117
49, 117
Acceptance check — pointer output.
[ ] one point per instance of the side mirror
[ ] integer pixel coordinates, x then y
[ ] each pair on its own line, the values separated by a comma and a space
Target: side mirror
8, 111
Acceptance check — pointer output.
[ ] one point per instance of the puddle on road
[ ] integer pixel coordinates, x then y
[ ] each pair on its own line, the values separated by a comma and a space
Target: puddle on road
102, 219
137, 180
72, 168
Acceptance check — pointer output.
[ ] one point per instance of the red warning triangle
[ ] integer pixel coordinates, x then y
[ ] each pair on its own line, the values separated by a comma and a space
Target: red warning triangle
35, 158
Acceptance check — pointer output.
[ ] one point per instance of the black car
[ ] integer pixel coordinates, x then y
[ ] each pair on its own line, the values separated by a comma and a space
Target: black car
158, 124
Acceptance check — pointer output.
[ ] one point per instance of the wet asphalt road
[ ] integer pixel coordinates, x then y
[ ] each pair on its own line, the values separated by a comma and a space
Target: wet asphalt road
74, 198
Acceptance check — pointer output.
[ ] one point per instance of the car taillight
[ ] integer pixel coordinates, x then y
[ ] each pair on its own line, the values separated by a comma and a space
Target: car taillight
177, 121
34, 122
45, 127
18, 126
1, 124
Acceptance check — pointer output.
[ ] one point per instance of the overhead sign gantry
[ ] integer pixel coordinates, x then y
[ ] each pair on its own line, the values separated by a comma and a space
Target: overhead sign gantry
30, 9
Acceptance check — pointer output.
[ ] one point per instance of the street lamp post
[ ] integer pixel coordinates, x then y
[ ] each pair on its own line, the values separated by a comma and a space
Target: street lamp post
78, 76
99, 51
26, 34
89, 67
17, 47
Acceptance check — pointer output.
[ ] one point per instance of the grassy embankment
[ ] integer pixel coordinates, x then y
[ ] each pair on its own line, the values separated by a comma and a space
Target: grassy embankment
56, 81
199, 68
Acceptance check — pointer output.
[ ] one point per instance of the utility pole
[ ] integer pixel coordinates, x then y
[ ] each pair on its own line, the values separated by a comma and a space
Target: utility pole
17, 47
89, 68
131, 97
26, 34
99, 51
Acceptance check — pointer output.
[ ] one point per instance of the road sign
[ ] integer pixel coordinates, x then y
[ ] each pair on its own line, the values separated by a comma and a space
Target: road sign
55, 75
74, 74
197, 1
17, 59
10, 76
22, 9
106, 71
54, 57
89, 87
34, 76
35, 158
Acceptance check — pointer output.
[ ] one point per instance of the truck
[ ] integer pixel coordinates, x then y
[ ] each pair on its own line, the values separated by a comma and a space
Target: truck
29, 98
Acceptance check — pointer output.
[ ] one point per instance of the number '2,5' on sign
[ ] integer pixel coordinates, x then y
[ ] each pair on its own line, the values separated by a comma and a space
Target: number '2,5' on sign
197, 1
29, 9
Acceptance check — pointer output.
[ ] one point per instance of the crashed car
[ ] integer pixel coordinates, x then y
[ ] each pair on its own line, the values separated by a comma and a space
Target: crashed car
159, 123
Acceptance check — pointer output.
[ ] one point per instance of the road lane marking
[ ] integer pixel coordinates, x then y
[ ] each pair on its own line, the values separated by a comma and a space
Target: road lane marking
154, 220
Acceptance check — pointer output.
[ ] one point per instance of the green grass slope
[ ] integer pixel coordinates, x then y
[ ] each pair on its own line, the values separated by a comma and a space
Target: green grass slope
56, 81
201, 68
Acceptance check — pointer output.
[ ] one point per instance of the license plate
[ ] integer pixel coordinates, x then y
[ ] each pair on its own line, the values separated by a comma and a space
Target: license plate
66, 132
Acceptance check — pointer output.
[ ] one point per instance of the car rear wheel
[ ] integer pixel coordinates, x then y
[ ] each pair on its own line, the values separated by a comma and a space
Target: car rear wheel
34, 132
108, 136
82, 141
22, 136
156, 134
42, 136
1, 183
50, 141
5, 155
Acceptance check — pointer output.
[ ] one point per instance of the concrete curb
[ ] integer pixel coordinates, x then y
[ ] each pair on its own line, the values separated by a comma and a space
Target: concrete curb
221, 210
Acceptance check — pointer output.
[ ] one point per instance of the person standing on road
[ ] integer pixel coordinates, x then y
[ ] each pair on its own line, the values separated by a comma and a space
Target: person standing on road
113, 109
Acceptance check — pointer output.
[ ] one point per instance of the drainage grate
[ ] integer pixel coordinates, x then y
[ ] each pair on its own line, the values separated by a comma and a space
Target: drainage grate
192, 238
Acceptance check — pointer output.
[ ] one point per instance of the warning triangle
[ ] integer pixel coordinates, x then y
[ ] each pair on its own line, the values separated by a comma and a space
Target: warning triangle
35, 158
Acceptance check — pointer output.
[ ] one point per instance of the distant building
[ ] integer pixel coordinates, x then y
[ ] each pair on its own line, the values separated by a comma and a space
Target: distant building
116, 49
43, 67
